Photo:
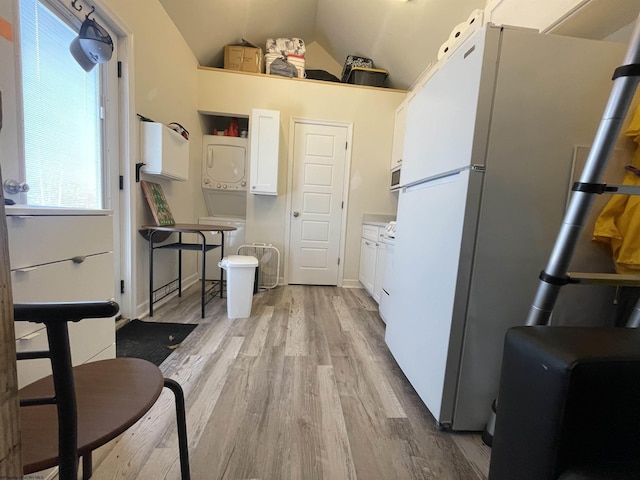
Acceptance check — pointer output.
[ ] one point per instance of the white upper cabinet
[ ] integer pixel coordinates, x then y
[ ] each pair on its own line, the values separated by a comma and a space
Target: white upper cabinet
398, 135
264, 132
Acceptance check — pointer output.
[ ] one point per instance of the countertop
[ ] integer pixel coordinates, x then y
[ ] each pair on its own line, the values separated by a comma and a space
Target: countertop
376, 219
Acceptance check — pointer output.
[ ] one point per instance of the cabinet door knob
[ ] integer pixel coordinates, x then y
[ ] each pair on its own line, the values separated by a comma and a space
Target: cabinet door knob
78, 259
295, 214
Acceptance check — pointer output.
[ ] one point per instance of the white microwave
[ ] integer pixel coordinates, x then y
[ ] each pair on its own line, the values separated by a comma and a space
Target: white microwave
395, 179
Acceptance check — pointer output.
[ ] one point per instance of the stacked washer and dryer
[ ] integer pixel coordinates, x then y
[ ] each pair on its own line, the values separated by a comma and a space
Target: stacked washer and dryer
224, 185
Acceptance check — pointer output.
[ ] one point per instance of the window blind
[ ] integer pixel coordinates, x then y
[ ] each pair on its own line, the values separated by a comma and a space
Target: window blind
61, 115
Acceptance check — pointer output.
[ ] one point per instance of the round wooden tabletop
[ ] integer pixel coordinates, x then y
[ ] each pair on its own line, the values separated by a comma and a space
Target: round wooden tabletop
111, 395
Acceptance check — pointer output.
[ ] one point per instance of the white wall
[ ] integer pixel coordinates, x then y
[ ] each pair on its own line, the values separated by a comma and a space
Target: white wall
317, 58
370, 110
538, 14
594, 19
164, 71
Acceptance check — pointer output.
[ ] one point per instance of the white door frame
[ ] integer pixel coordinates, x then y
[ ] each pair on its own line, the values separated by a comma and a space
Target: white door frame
128, 146
289, 196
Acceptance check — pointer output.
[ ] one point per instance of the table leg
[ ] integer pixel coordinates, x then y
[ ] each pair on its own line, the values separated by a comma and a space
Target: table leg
221, 257
151, 233
203, 280
180, 265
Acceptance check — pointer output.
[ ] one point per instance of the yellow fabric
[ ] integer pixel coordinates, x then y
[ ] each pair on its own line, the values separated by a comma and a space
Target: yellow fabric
634, 127
618, 225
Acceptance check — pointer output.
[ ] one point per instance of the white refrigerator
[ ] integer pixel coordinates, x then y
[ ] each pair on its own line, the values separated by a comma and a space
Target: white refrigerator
487, 168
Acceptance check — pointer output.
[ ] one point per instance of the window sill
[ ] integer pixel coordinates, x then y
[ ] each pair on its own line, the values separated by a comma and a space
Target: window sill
14, 210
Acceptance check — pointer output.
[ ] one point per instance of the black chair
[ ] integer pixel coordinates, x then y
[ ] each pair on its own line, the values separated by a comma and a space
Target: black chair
569, 405
75, 410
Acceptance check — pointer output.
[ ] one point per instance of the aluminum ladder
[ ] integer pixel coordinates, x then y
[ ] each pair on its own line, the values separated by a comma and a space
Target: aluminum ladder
555, 276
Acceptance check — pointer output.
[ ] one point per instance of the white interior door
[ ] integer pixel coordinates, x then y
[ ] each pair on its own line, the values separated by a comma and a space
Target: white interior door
319, 159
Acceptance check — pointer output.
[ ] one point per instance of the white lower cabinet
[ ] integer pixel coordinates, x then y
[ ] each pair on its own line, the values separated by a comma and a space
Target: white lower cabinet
381, 257
372, 259
46, 268
367, 264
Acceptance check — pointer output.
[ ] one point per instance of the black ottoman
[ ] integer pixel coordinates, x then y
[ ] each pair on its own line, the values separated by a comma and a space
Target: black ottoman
569, 405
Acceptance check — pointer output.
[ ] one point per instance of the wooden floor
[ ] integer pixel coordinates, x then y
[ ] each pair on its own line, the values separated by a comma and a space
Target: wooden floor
304, 389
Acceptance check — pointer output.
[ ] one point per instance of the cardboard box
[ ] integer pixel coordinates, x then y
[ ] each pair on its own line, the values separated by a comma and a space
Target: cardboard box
243, 58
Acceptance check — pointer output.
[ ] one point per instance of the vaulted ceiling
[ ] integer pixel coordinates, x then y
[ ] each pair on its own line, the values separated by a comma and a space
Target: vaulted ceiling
400, 36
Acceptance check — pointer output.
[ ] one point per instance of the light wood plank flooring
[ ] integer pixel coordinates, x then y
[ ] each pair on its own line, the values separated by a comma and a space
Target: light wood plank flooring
305, 389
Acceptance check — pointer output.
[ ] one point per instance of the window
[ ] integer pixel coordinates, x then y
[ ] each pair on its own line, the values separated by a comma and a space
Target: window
62, 126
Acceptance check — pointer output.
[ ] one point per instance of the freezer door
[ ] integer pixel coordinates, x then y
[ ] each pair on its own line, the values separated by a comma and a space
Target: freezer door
421, 331
448, 118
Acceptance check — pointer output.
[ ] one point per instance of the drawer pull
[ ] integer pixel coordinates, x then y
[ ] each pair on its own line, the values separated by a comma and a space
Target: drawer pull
78, 259
25, 269
31, 335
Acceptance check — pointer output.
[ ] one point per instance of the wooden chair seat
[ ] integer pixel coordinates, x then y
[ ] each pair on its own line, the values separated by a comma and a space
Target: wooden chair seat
111, 396
77, 409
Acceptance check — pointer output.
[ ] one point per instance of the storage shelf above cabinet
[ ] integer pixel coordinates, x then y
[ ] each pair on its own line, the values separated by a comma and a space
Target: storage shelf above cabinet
164, 152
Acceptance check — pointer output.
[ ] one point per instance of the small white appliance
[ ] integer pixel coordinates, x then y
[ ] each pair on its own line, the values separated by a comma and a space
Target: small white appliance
232, 241
224, 163
395, 179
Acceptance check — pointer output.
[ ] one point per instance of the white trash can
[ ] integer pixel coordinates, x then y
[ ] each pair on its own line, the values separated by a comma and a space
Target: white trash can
241, 272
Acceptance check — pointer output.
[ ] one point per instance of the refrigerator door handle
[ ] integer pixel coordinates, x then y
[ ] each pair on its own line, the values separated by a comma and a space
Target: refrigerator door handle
443, 175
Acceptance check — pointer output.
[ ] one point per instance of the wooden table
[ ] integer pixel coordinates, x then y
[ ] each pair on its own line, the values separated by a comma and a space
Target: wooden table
203, 247
111, 396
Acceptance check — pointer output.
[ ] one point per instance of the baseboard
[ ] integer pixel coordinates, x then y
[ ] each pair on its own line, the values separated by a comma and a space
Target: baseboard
351, 283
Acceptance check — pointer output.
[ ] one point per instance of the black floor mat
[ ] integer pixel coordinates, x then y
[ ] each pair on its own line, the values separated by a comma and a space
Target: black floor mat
152, 341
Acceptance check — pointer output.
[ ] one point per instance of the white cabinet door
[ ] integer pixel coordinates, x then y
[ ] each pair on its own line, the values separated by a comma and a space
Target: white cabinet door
368, 264
264, 130
397, 145
381, 258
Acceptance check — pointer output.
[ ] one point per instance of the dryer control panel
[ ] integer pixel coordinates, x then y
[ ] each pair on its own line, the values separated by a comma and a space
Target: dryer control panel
224, 163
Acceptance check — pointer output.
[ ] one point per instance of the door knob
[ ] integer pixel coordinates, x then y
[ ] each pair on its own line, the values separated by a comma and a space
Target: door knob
295, 214
13, 187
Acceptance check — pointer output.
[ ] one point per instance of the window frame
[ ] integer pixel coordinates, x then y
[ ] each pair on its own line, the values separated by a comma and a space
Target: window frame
108, 105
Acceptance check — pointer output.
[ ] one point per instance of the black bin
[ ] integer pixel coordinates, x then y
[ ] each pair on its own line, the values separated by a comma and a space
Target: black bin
373, 77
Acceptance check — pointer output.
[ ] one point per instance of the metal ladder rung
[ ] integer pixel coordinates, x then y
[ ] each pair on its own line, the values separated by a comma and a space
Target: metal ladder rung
613, 279
623, 189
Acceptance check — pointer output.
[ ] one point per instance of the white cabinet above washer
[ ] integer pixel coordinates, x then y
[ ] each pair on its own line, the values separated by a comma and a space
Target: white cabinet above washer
264, 130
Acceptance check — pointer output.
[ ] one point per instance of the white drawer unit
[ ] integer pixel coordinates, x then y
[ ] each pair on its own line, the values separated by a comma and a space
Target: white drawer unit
52, 283
62, 258
82, 336
370, 232
36, 240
